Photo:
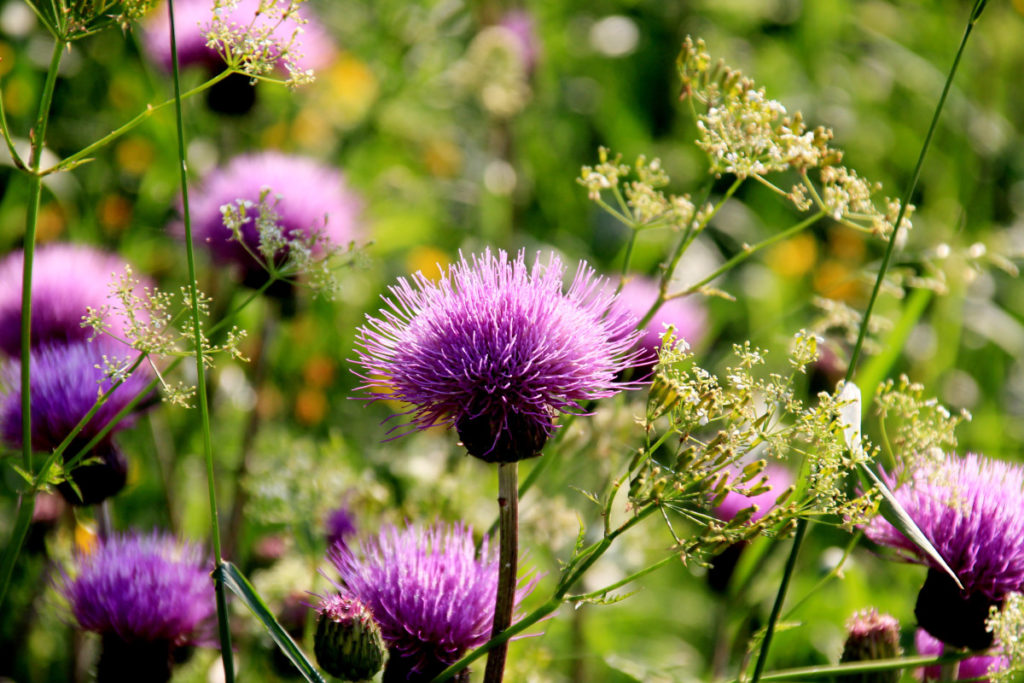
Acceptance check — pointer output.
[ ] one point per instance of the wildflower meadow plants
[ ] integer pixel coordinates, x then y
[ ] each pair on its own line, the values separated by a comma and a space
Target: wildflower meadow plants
722, 354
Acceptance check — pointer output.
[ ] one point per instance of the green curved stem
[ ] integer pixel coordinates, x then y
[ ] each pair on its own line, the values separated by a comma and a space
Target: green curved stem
749, 251
801, 528
223, 627
81, 156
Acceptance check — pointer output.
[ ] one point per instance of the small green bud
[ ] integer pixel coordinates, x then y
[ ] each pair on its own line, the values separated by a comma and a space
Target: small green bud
348, 642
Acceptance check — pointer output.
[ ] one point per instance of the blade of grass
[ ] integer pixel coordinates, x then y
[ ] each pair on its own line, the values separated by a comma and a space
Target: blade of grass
230, 576
976, 10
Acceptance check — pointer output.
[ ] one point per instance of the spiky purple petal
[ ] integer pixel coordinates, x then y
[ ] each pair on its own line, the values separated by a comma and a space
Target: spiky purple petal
971, 509
493, 338
142, 588
429, 589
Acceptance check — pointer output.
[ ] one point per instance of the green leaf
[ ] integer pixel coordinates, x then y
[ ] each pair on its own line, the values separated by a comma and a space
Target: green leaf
892, 511
230, 575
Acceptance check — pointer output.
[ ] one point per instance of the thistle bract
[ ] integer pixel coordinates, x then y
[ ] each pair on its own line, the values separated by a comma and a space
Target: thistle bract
348, 643
498, 349
871, 636
430, 590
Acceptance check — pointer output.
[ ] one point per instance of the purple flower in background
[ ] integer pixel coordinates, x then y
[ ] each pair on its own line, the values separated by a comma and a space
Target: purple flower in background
65, 384
498, 349
970, 668
147, 596
66, 279
687, 317
307, 196
192, 18
430, 591
340, 525
779, 479
522, 26
971, 509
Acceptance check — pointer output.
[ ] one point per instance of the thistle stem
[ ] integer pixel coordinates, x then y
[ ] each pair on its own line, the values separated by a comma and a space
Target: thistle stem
802, 523
508, 505
223, 628
38, 136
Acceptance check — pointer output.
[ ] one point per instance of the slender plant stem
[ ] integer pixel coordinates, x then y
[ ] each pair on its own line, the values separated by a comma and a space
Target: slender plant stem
780, 597
802, 523
81, 155
749, 251
575, 569
508, 505
828, 672
204, 409
38, 137
26, 506
950, 671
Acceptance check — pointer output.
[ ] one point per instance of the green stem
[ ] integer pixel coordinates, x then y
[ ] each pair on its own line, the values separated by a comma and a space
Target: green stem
570, 575
26, 506
80, 156
749, 251
601, 592
38, 138
505, 602
979, 5
780, 597
801, 528
684, 242
830, 671
204, 410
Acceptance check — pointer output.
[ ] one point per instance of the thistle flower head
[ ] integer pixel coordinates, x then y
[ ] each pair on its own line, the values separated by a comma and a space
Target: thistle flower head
340, 525
429, 589
497, 348
66, 280
202, 26
67, 379
348, 642
973, 668
684, 314
972, 510
142, 588
309, 204
776, 479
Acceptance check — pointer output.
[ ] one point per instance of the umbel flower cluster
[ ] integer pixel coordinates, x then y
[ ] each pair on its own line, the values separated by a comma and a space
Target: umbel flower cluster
498, 349
68, 371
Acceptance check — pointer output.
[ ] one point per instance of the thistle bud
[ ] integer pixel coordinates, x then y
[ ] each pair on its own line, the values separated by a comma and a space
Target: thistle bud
872, 636
348, 642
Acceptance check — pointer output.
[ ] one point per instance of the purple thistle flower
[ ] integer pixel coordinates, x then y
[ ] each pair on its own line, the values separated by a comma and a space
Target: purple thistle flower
972, 668
971, 509
779, 479
66, 279
308, 196
687, 317
192, 18
66, 381
522, 26
497, 349
340, 525
147, 595
430, 591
